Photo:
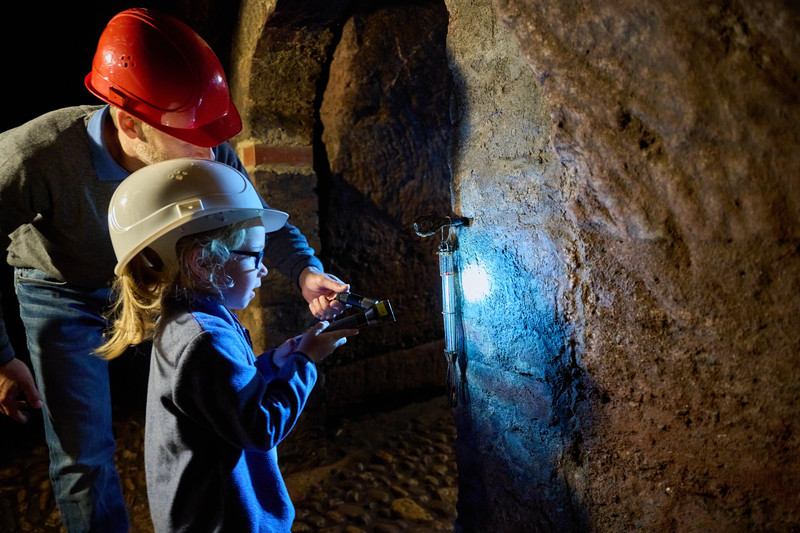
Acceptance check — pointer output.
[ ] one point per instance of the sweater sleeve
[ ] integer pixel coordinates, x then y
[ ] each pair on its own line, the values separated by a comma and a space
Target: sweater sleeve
287, 249
217, 385
21, 199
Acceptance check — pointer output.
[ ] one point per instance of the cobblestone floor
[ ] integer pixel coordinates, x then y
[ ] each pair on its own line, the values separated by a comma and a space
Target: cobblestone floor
388, 472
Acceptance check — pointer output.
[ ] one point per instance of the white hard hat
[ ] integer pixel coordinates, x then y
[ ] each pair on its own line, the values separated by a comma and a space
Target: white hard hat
160, 203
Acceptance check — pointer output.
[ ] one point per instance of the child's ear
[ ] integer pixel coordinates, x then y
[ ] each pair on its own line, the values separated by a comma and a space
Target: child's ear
196, 264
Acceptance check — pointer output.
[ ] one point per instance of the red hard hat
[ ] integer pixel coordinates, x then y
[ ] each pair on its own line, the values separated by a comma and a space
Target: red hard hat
159, 70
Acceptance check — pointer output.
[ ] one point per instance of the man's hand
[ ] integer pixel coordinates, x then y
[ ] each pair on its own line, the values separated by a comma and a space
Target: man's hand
16, 377
318, 289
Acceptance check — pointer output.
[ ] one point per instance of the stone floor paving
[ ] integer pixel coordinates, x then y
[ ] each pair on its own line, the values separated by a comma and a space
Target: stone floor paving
388, 472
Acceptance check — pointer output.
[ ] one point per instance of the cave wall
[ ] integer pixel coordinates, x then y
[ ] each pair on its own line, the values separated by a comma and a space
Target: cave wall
385, 129
522, 392
630, 277
345, 107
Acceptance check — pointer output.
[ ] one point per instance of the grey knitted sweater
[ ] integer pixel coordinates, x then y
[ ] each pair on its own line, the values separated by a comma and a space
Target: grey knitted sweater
54, 206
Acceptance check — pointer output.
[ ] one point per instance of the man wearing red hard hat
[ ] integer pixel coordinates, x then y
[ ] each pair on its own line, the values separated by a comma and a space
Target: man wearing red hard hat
166, 97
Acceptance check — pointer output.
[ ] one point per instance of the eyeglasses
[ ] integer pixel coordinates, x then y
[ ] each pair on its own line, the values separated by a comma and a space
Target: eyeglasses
258, 255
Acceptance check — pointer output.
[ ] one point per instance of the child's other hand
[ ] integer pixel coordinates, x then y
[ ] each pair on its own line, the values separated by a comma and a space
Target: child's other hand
283, 352
318, 344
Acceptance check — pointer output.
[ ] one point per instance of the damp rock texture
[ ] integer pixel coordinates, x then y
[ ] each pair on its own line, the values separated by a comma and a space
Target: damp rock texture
346, 107
631, 274
385, 120
346, 111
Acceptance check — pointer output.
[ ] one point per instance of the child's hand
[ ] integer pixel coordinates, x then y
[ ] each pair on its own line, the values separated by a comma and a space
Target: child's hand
319, 344
283, 352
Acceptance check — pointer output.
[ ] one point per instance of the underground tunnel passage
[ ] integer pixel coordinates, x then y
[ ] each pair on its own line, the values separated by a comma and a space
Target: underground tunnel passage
626, 291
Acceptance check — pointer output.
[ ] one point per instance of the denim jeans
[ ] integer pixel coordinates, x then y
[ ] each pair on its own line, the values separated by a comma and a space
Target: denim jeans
64, 324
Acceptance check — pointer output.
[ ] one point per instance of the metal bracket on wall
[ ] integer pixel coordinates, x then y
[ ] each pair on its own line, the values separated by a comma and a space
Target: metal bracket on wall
425, 227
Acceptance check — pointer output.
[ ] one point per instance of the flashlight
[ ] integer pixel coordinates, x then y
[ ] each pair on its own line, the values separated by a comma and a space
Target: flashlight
354, 299
376, 312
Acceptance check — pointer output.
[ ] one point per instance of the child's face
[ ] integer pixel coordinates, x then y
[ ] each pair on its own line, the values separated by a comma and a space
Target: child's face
245, 271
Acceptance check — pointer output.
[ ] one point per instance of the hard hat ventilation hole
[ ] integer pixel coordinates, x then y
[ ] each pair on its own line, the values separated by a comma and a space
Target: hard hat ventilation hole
178, 175
126, 61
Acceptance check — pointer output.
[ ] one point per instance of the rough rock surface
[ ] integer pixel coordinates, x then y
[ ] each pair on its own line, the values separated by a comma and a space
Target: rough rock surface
633, 361
386, 139
364, 90
630, 276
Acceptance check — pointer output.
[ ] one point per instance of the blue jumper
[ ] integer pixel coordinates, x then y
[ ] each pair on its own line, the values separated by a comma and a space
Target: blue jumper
215, 413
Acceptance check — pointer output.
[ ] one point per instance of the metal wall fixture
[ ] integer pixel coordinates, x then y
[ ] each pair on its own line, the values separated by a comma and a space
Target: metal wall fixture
425, 227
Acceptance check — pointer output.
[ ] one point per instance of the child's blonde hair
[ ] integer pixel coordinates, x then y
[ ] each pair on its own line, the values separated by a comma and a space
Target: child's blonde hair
143, 285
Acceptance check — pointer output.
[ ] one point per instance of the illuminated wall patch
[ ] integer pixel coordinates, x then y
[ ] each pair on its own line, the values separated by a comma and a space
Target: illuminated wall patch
474, 283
